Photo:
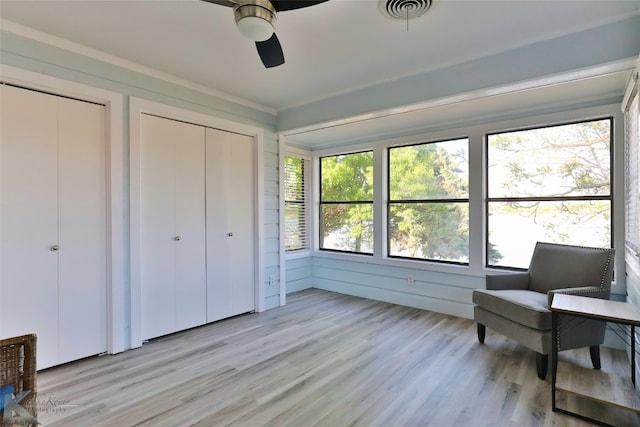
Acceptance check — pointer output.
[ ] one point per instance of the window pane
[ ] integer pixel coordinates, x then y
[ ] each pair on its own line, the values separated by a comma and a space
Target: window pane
295, 225
347, 227
347, 177
515, 227
295, 202
435, 231
557, 161
294, 178
550, 184
437, 170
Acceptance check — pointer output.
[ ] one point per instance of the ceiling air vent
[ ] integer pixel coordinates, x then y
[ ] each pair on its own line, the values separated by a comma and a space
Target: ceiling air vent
404, 9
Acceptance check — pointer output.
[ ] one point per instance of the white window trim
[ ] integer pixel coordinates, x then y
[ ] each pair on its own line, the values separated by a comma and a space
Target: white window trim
284, 150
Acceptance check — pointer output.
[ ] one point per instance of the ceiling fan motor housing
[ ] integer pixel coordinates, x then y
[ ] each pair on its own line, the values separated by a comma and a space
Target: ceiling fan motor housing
256, 19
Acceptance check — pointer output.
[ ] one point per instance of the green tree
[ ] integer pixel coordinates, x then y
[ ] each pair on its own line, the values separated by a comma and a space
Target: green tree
347, 186
428, 187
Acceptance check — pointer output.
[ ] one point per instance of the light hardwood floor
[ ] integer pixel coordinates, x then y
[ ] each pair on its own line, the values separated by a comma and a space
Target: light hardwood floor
325, 359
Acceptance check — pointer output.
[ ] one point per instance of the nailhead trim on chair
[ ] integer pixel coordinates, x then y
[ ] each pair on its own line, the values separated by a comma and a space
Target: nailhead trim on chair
607, 267
602, 288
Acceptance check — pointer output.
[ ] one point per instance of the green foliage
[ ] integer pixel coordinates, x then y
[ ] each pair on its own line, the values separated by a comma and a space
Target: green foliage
434, 227
348, 178
431, 175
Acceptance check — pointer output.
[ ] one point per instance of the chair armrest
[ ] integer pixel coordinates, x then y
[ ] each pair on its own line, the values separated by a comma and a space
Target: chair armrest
513, 281
584, 291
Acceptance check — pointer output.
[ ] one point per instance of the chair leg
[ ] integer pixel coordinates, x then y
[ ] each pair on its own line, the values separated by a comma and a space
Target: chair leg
594, 350
542, 361
481, 332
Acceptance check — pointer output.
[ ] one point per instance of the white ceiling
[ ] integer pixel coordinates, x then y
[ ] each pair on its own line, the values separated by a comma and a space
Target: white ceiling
331, 48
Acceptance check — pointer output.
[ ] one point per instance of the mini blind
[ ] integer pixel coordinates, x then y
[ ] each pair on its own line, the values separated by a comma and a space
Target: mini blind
632, 188
295, 204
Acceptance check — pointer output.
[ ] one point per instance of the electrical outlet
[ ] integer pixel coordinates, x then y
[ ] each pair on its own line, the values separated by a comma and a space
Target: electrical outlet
411, 280
272, 280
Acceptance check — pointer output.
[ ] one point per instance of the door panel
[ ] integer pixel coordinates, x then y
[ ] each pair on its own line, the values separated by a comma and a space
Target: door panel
191, 287
29, 212
82, 225
173, 269
242, 249
219, 192
230, 209
157, 229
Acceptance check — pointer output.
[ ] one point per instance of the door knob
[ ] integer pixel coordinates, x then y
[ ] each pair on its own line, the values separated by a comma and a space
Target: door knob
55, 248
177, 238
230, 234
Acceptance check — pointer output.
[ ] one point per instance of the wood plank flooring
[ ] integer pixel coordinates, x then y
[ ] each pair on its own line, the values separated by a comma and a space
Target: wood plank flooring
325, 359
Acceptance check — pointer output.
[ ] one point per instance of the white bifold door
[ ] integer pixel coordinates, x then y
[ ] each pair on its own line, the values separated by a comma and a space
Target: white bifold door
196, 225
53, 244
172, 226
230, 224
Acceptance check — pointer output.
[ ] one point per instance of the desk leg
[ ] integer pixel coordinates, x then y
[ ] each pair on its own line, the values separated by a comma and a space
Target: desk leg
554, 358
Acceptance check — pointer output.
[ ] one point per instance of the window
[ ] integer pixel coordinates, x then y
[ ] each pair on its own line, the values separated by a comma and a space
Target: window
548, 184
632, 190
295, 204
346, 202
428, 209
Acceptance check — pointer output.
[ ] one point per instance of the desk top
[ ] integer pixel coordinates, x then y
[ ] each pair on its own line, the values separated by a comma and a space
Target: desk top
613, 311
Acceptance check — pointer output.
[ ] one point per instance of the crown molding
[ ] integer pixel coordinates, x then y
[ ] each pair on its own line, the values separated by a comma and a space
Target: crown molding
49, 39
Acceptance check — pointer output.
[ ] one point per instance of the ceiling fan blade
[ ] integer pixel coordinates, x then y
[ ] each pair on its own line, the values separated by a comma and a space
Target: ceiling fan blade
227, 3
270, 52
282, 5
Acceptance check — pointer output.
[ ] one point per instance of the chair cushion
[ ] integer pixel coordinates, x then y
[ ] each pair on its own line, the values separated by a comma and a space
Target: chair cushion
528, 308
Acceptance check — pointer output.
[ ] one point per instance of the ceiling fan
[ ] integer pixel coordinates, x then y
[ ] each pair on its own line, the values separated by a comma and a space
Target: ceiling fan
256, 20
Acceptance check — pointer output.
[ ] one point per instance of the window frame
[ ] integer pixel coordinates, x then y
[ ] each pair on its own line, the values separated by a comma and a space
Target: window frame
476, 132
610, 197
344, 202
390, 201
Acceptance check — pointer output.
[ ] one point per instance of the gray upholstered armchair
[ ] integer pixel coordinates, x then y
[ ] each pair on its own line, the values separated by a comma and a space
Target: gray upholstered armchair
517, 304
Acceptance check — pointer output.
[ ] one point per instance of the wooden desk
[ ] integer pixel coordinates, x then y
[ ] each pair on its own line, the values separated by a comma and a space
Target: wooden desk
593, 308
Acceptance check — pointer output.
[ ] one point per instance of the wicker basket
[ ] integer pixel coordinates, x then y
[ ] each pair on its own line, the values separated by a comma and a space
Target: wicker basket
18, 369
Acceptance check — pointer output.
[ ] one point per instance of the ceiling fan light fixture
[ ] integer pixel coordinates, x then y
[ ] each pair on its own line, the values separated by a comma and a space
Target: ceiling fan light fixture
255, 19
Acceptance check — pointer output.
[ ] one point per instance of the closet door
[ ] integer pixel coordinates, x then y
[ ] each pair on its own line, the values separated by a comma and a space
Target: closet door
172, 230
230, 224
53, 216
29, 217
82, 268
